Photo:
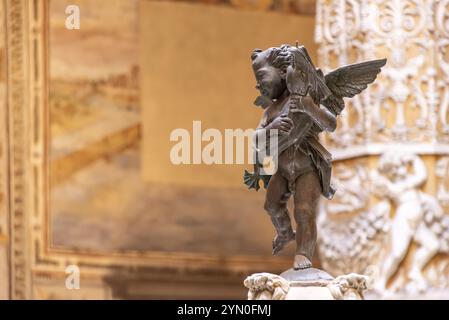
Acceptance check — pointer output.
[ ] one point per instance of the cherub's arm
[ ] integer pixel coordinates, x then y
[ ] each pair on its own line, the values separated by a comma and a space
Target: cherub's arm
282, 123
325, 119
417, 178
263, 134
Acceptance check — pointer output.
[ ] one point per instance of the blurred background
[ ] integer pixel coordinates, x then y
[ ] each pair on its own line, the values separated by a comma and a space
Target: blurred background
143, 227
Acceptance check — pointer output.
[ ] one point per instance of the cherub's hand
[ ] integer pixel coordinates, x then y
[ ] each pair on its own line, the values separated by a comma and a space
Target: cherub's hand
282, 123
296, 104
304, 104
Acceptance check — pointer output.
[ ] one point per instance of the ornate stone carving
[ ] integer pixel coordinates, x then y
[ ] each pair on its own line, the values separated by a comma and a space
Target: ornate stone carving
4, 267
349, 181
410, 102
441, 173
406, 111
419, 220
16, 15
416, 214
266, 286
348, 287
353, 243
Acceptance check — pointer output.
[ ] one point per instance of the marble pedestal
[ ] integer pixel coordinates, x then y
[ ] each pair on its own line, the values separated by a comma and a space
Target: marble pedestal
308, 284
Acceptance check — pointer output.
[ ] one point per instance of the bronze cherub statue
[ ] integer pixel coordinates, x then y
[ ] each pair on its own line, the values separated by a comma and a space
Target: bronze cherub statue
300, 102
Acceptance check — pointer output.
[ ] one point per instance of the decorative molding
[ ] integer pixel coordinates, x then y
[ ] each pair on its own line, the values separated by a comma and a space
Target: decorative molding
302, 7
18, 85
4, 195
401, 123
413, 35
368, 240
266, 286
348, 287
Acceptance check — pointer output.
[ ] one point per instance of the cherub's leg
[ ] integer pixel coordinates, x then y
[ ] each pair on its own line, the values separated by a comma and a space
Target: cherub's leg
276, 206
400, 237
429, 246
307, 196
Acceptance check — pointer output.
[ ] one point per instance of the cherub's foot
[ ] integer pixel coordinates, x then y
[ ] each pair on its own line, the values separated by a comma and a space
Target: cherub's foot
280, 242
301, 262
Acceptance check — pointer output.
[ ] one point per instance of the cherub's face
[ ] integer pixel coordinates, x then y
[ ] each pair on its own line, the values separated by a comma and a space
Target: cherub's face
396, 169
397, 174
270, 80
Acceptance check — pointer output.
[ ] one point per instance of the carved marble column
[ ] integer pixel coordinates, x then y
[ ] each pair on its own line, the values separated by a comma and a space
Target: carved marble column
391, 148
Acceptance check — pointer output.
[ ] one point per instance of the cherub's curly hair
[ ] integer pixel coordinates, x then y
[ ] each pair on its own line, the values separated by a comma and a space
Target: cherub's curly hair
278, 57
281, 57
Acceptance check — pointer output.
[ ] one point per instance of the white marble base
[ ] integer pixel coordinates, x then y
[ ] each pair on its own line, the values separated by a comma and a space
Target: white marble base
267, 286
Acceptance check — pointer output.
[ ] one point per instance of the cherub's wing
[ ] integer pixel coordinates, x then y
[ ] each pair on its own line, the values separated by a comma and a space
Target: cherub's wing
349, 81
302, 77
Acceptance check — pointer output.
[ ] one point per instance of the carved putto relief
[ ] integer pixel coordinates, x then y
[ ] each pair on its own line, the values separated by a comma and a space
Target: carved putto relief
380, 238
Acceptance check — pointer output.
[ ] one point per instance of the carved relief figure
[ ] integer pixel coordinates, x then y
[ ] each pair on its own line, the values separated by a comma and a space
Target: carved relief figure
399, 178
374, 241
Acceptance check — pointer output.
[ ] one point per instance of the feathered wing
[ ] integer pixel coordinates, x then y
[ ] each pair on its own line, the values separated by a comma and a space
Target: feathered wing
349, 81
303, 78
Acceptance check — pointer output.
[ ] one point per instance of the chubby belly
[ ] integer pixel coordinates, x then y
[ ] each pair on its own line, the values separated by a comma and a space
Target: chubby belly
293, 162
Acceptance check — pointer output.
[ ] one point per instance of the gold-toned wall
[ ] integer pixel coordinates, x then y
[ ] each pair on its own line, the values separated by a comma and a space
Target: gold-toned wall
130, 238
4, 273
196, 65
